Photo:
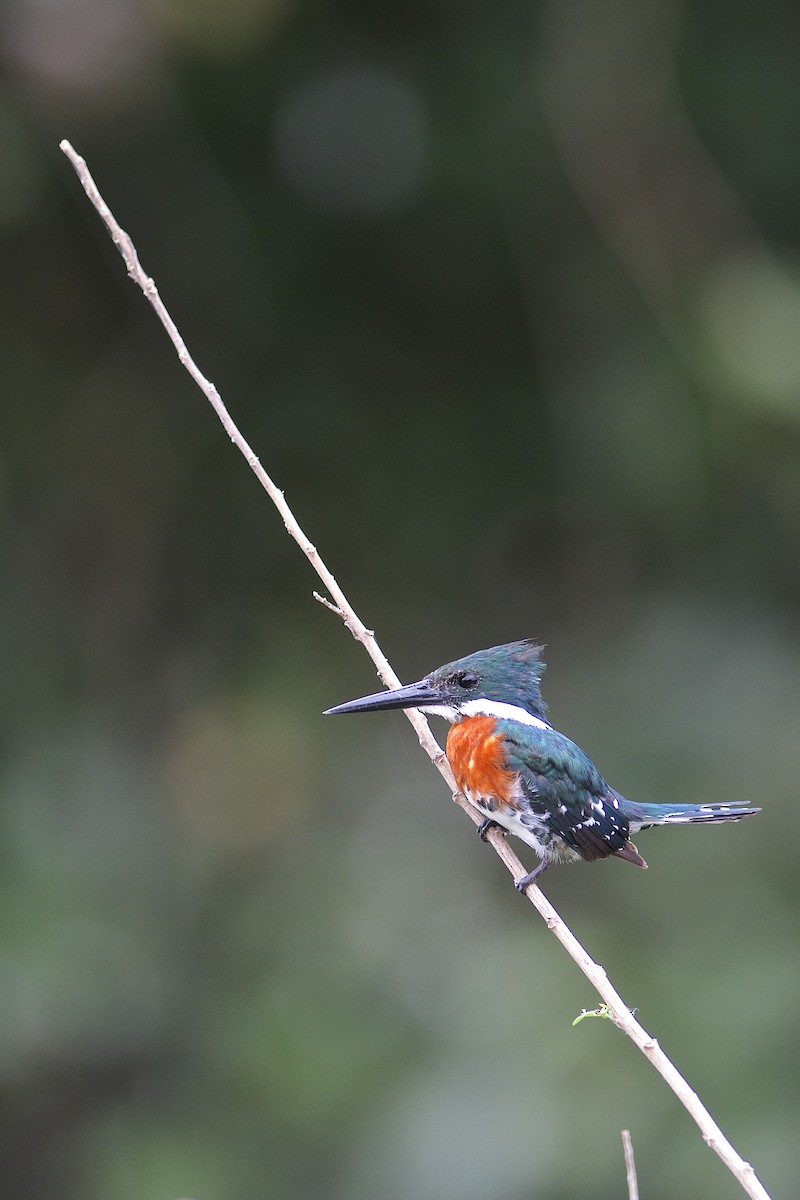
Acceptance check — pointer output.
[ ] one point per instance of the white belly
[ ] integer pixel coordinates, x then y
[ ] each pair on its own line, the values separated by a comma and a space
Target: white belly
527, 825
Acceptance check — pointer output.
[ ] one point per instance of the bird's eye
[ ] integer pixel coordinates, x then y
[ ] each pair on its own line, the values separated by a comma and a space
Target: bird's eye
466, 679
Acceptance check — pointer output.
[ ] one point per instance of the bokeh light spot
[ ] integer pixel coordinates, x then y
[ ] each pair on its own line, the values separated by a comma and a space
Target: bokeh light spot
352, 140
214, 29
751, 312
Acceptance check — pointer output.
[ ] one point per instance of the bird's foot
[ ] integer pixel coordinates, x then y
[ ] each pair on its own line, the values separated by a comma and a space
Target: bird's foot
524, 883
486, 824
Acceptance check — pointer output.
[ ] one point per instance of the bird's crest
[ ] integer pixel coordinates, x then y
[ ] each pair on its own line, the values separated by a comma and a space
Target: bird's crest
509, 674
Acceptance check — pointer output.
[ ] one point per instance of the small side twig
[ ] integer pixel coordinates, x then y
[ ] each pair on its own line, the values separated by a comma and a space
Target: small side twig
630, 1166
325, 602
617, 1009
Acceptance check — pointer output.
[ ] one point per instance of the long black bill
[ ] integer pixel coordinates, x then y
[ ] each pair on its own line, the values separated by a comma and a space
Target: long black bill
414, 695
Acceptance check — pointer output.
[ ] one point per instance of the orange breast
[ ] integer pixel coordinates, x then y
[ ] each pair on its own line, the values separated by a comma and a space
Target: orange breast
475, 752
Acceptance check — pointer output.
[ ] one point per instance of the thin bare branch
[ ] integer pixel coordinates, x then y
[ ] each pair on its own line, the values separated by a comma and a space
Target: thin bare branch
620, 1013
630, 1166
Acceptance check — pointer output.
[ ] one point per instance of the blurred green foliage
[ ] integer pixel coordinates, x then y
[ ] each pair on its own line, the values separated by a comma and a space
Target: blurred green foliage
507, 298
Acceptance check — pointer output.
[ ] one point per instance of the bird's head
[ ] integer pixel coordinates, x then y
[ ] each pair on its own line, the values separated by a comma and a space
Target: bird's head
503, 681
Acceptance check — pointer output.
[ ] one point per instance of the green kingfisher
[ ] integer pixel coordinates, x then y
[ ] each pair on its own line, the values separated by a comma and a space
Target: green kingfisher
522, 774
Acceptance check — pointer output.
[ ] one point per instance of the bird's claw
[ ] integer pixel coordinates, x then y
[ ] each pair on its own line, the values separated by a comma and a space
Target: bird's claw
525, 882
486, 824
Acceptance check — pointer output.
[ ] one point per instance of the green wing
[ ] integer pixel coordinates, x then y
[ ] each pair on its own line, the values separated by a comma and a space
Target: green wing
565, 791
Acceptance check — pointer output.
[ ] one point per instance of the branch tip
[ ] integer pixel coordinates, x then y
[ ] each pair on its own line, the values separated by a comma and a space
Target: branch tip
630, 1165
326, 603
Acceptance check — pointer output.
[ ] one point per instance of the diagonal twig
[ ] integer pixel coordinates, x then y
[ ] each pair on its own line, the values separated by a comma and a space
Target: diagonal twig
619, 1012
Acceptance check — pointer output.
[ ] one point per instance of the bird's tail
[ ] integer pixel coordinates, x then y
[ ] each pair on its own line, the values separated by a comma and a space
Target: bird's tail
642, 816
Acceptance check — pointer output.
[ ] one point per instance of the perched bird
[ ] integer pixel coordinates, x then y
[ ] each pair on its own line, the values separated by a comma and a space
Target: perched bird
522, 774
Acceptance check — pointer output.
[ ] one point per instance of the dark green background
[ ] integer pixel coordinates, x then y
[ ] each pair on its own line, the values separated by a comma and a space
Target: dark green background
507, 298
